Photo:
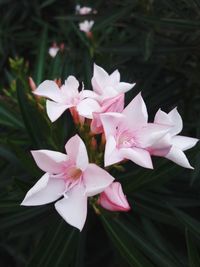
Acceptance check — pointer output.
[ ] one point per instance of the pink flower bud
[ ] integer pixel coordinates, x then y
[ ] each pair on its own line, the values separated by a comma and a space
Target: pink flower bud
113, 198
32, 84
78, 119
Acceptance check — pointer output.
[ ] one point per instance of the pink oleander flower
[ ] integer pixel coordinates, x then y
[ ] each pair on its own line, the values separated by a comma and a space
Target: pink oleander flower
69, 176
83, 10
129, 135
177, 142
108, 86
113, 198
86, 26
111, 94
67, 97
53, 50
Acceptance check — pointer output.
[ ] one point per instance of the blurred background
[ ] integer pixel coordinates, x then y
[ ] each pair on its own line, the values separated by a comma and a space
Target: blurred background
155, 43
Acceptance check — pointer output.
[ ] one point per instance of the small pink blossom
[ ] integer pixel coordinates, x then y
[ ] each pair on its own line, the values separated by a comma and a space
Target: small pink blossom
178, 143
108, 86
129, 135
69, 176
86, 26
113, 198
85, 10
67, 96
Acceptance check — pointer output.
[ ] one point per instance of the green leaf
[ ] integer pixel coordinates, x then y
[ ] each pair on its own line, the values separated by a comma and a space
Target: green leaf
193, 254
125, 245
10, 119
57, 247
168, 22
36, 126
41, 56
192, 224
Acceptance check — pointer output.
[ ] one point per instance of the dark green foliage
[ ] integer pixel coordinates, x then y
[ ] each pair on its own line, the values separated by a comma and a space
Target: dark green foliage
155, 43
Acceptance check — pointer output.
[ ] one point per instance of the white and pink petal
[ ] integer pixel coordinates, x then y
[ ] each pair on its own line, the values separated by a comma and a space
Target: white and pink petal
46, 190
73, 208
96, 180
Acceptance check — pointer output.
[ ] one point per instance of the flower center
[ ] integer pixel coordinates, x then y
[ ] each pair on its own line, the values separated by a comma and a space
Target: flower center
74, 173
126, 140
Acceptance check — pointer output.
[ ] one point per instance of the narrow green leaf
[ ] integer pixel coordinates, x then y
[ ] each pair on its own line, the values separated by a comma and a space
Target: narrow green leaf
57, 247
192, 224
193, 254
124, 244
41, 57
10, 119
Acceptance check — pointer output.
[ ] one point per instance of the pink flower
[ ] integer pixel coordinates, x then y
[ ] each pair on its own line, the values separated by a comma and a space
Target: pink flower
129, 135
69, 176
178, 143
113, 198
67, 96
86, 26
83, 10
108, 86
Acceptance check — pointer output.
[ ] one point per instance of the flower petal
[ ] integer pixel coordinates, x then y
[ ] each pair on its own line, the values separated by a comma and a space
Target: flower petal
136, 112
46, 190
77, 152
50, 90
176, 119
100, 76
49, 161
72, 83
123, 87
162, 117
87, 106
151, 133
138, 156
73, 209
113, 104
55, 110
90, 94
176, 155
110, 122
112, 155
115, 77
96, 180
162, 147
184, 142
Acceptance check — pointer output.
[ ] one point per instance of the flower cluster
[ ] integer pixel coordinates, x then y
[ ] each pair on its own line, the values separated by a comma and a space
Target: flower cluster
125, 134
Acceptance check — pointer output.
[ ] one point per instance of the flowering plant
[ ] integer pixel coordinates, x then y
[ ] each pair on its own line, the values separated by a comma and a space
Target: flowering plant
96, 164
125, 132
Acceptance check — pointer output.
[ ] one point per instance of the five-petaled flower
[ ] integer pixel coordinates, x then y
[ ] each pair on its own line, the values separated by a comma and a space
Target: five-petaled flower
69, 176
129, 135
67, 96
177, 142
110, 93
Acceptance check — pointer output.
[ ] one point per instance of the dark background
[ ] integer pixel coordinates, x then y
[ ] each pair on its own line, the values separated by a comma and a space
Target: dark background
155, 43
